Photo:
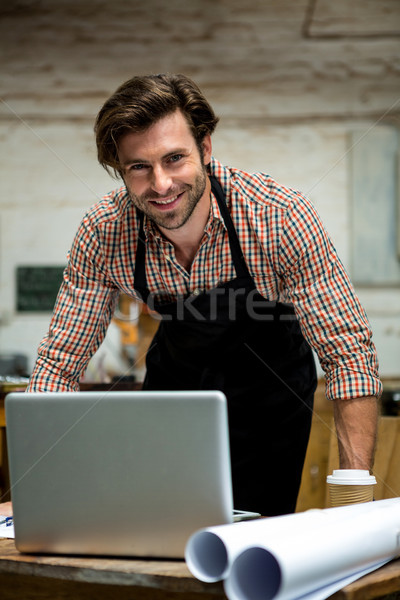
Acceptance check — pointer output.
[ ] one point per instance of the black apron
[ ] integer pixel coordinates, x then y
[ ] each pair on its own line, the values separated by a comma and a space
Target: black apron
232, 339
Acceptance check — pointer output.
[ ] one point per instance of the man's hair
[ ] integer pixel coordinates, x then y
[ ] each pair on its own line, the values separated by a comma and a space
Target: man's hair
142, 101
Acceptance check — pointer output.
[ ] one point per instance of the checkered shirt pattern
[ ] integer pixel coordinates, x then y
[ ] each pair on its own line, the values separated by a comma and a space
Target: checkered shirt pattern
289, 255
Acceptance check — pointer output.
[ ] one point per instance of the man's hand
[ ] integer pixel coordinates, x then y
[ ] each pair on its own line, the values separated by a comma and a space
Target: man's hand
356, 425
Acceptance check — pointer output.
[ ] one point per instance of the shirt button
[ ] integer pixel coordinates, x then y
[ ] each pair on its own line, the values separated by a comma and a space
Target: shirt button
196, 292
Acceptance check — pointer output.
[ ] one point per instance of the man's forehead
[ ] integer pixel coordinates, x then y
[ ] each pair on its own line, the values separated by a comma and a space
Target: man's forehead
169, 133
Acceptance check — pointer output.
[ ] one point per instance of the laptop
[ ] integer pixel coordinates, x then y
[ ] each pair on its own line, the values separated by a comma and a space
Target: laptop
117, 473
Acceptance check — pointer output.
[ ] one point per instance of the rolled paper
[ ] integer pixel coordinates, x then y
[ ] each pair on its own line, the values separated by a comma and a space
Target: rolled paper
211, 551
289, 566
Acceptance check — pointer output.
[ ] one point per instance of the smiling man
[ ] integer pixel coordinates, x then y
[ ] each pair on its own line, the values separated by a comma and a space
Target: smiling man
244, 276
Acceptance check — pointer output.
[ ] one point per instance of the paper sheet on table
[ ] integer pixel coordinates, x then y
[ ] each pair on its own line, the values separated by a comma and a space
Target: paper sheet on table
297, 555
6, 531
330, 589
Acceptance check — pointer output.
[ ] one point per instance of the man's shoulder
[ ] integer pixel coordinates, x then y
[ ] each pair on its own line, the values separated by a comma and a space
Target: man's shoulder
261, 189
258, 189
111, 208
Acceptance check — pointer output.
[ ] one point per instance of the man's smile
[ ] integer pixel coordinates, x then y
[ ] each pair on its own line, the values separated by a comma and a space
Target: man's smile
166, 202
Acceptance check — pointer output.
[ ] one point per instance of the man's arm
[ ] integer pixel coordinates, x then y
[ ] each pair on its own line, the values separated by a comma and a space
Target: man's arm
356, 426
82, 313
337, 328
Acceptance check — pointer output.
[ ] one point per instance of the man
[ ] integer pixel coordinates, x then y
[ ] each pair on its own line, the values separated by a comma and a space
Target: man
246, 281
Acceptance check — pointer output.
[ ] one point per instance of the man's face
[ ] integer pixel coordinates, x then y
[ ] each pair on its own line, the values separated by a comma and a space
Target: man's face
164, 172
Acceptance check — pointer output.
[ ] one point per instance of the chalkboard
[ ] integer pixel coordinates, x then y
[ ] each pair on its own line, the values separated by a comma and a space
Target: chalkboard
37, 287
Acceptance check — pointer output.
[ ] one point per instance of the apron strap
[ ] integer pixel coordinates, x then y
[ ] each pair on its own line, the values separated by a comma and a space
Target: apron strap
239, 262
140, 281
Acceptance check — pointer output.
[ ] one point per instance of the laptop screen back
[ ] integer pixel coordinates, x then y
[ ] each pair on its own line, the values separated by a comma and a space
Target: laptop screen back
117, 473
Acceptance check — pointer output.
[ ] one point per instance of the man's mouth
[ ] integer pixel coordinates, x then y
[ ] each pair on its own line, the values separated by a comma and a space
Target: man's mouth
168, 201
171, 202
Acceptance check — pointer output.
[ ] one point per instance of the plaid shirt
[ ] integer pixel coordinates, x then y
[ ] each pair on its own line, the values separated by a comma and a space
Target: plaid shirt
287, 250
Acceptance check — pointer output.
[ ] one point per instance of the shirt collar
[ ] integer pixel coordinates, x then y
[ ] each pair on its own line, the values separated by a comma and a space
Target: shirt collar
215, 213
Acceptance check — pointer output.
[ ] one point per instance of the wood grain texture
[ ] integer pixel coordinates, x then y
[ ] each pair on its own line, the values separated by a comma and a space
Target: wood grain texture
59, 577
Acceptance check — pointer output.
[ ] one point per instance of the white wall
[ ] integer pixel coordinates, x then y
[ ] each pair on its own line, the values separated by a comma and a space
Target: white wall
288, 84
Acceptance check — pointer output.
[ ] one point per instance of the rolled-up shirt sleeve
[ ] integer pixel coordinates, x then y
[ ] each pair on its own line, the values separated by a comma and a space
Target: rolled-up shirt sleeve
82, 313
331, 316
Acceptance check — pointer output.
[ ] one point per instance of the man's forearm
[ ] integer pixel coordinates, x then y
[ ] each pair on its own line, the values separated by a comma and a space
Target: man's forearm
356, 426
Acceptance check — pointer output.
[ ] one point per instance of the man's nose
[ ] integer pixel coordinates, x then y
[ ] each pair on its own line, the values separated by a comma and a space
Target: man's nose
161, 180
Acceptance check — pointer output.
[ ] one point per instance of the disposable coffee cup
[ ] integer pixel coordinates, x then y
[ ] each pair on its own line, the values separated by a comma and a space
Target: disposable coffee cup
350, 486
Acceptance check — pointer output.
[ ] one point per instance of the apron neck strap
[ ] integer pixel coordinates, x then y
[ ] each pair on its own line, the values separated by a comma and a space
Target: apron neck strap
236, 250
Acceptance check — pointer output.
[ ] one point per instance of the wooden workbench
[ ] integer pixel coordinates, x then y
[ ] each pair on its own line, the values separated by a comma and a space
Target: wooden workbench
59, 577
62, 577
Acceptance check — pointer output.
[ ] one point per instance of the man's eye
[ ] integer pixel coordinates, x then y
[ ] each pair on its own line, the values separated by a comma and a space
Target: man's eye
175, 158
136, 167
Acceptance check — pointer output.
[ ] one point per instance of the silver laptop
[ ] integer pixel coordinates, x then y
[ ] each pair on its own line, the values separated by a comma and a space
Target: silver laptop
117, 473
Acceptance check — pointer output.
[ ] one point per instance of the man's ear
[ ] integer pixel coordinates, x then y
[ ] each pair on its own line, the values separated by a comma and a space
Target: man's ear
206, 145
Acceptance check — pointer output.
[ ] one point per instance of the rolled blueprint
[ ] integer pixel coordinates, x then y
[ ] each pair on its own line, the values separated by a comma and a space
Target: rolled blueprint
210, 552
290, 566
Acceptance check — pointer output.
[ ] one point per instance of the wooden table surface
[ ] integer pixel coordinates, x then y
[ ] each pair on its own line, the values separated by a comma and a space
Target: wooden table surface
53, 577
80, 578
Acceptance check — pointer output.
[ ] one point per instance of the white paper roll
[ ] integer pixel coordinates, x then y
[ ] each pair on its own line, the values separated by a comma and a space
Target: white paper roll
289, 566
210, 552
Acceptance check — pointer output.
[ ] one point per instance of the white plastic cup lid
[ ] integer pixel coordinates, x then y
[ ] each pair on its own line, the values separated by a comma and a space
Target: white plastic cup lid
351, 477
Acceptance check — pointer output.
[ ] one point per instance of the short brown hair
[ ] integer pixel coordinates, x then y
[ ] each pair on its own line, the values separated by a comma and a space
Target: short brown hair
143, 100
